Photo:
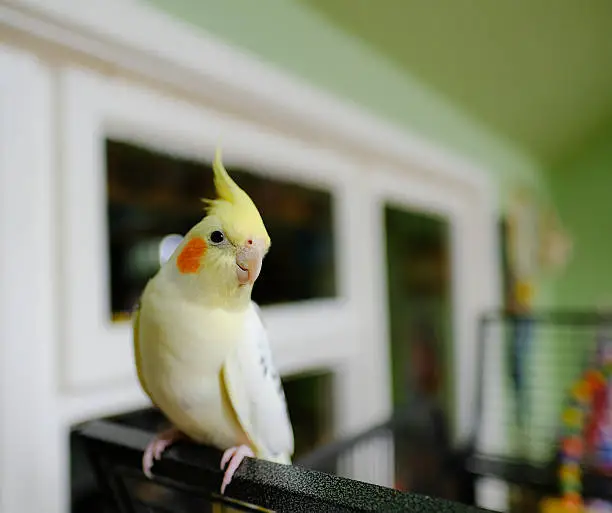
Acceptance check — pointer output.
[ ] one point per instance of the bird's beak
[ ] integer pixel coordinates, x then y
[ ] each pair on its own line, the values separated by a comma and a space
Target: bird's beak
248, 262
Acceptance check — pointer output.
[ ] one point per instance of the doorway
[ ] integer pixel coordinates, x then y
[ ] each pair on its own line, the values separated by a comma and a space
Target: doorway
420, 310
421, 350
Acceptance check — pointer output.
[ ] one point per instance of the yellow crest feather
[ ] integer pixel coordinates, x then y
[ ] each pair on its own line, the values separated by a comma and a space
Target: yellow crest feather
234, 206
226, 187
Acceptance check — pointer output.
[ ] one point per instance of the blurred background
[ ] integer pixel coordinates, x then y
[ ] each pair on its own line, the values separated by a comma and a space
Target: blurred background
428, 171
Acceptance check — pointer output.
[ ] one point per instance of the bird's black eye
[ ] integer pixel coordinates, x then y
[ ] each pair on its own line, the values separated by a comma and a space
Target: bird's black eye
216, 237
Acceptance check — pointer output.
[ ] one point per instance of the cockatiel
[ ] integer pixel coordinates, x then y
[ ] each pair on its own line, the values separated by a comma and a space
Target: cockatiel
201, 351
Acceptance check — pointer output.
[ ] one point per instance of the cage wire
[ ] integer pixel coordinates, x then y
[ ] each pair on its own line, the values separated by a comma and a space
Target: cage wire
528, 365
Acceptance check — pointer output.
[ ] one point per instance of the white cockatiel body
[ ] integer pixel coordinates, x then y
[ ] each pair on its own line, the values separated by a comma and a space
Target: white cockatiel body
201, 350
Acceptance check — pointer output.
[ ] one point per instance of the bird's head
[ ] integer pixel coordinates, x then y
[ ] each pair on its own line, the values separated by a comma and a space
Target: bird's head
220, 258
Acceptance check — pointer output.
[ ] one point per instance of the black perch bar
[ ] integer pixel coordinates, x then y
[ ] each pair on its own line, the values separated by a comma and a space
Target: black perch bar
188, 478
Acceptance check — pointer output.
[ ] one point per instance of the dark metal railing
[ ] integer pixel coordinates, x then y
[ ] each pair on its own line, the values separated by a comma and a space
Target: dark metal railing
418, 447
188, 477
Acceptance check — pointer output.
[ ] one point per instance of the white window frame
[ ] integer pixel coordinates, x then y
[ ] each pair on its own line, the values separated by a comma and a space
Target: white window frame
98, 352
472, 228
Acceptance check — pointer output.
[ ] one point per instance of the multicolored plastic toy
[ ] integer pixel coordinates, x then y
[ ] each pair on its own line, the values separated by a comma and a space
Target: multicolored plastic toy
598, 435
587, 434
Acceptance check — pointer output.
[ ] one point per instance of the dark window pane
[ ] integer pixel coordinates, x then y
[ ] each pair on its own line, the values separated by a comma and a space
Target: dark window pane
309, 402
154, 198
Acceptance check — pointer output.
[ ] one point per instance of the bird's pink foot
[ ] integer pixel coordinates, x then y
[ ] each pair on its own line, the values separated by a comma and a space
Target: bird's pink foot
157, 446
233, 456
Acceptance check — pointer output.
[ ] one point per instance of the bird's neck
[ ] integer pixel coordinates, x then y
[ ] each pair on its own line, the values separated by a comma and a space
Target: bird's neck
214, 295
234, 301
209, 290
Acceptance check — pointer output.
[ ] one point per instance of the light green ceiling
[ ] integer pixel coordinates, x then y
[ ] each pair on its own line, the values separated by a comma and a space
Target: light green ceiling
536, 71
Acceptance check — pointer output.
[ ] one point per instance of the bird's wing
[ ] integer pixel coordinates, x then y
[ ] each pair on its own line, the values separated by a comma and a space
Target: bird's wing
257, 395
137, 357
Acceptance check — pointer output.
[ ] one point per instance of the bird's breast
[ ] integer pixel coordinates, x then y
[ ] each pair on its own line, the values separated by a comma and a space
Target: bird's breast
182, 353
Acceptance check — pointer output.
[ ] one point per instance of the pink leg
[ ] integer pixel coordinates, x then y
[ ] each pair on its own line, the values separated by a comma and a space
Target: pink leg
157, 446
234, 455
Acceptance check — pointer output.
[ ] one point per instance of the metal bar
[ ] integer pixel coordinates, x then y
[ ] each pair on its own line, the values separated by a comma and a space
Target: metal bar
189, 474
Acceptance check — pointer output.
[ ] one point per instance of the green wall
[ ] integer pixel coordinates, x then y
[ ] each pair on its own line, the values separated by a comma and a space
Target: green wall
582, 191
299, 40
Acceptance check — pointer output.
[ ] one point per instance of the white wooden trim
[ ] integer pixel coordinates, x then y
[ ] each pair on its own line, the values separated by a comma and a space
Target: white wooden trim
138, 37
475, 287
474, 271
33, 453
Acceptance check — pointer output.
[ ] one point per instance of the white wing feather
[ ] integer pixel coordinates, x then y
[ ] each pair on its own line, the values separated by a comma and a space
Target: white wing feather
257, 395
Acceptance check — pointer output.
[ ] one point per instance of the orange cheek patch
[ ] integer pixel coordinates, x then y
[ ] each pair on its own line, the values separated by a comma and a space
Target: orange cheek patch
190, 257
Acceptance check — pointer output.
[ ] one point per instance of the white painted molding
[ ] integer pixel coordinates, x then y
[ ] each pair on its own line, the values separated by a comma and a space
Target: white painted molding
474, 269
102, 402
138, 37
33, 455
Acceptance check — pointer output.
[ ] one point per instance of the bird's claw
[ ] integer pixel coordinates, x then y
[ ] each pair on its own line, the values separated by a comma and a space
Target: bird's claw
233, 456
156, 447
